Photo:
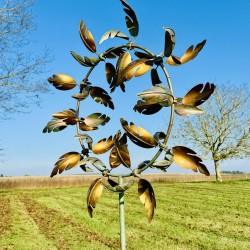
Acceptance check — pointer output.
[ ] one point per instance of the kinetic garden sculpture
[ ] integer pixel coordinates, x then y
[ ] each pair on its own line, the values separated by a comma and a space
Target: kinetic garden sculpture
158, 97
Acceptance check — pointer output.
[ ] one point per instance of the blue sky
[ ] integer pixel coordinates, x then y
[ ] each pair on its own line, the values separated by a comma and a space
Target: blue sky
224, 59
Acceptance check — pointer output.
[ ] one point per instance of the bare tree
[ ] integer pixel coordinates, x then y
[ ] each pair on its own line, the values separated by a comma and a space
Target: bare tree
223, 131
18, 66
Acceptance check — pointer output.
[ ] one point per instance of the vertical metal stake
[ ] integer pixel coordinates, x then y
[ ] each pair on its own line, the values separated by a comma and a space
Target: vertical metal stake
122, 220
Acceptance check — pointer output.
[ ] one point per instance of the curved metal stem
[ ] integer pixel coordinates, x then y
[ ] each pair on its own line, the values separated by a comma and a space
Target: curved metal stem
78, 105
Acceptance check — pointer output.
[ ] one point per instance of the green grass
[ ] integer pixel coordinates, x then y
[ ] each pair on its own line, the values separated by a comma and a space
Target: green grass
188, 216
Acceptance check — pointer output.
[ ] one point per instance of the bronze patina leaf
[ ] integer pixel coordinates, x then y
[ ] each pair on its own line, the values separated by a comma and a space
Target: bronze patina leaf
110, 73
112, 34
55, 125
147, 197
122, 151
186, 158
105, 145
138, 135
86, 61
68, 116
135, 68
147, 107
96, 119
197, 95
62, 81
185, 110
101, 96
158, 94
169, 41
87, 37
113, 53
155, 77
114, 159
143, 55
94, 195
66, 162
131, 20
190, 54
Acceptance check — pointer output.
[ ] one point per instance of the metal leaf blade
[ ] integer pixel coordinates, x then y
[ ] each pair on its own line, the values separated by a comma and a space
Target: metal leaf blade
147, 197
185, 110
187, 158
147, 108
122, 151
112, 34
190, 54
96, 119
87, 37
155, 77
198, 95
55, 125
100, 96
66, 162
158, 94
131, 20
62, 81
169, 41
94, 195
138, 135
136, 68
68, 116
104, 145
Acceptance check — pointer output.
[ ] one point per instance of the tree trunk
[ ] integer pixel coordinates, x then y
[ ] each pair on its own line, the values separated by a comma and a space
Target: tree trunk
217, 171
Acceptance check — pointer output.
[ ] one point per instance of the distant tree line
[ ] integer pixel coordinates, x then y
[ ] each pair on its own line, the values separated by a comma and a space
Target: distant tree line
232, 172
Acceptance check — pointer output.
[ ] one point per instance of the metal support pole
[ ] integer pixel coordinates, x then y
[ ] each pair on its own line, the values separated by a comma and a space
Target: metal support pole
122, 219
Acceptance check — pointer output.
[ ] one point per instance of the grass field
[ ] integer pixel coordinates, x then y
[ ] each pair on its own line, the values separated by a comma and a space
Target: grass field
188, 216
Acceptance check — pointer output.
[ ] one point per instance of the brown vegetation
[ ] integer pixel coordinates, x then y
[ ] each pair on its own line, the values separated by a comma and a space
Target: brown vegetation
31, 182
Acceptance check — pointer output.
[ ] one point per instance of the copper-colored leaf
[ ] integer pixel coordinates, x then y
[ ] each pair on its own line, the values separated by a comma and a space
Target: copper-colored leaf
142, 55
187, 158
197, 95
185, 110
112, 34
169, 42
113, 53
55, 125
81, 96
110, 73
86, 61
114, 159
135, 68
158, 94
155, 77
147, 107
94, 195
68, 116
62, 81
147, 197
87, 37
139, 135
66, 162
122, 151
123, 61
101, 96
96, 119
105, 145
131, 20
190, 54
